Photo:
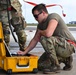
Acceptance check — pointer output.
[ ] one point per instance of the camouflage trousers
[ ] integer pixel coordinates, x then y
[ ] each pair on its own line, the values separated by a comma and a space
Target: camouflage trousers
21, 39
5, 25
6, 32
18, 28
57, 49
18, 24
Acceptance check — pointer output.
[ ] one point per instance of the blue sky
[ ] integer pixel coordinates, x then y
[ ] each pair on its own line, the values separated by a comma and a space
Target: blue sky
68, 7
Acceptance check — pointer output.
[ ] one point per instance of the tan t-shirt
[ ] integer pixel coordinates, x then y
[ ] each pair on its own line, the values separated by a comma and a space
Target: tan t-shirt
61, 29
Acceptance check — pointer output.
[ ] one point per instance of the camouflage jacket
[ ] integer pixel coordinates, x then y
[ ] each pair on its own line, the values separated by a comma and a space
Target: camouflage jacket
14, 3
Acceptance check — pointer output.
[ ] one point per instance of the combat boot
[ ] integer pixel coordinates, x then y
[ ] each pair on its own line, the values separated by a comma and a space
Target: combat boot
43, 61
52, 69
68, 63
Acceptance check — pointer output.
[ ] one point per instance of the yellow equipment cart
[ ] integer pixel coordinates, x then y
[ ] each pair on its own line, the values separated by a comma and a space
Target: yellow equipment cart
11, 64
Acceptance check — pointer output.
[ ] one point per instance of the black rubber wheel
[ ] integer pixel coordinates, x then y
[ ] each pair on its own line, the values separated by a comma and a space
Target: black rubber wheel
9, 71
35, 70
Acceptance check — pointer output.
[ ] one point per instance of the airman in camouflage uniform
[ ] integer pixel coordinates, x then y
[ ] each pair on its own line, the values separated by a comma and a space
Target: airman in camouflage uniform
17, 21
55, 38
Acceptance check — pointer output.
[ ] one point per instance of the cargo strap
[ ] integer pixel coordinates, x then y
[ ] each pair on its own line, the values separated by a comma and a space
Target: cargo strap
51, 5
72, 42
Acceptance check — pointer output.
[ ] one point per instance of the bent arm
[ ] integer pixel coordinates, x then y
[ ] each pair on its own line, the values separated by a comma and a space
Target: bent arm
50, 29
33, 42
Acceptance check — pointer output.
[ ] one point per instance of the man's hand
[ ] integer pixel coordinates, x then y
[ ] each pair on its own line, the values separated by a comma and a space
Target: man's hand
21, 53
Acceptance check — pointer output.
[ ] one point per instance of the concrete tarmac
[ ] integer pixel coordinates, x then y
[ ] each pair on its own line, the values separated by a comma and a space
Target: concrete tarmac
38, 50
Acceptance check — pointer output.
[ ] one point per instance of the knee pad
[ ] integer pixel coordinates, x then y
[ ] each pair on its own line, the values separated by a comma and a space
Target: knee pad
6, 32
